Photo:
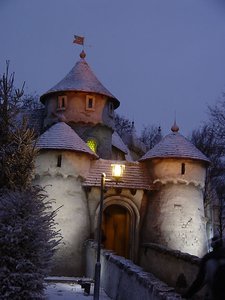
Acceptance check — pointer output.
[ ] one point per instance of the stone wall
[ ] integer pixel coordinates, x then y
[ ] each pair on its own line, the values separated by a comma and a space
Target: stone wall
123, 280
175, 268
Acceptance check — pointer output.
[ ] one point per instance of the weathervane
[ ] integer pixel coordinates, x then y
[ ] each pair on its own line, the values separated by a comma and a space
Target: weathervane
78, 40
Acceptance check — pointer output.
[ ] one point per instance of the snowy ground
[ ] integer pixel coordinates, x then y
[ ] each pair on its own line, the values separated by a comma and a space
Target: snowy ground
68, 289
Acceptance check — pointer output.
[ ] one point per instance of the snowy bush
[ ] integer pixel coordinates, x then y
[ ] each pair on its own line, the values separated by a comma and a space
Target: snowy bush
28, 240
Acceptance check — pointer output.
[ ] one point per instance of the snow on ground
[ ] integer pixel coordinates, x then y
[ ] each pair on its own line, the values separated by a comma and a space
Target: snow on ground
68, 289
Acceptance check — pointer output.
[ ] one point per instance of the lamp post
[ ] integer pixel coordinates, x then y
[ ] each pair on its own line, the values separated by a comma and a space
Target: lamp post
117, 172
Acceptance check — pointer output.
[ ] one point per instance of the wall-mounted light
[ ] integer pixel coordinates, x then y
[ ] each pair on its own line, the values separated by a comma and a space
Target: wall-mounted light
117, 171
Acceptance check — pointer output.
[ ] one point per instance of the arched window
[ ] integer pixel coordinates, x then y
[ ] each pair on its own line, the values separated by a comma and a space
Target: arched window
92, 144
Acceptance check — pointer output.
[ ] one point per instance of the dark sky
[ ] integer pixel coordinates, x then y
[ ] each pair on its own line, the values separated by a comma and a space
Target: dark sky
155, 56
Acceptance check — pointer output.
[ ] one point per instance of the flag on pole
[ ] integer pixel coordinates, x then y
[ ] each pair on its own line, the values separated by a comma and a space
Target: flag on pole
78, 40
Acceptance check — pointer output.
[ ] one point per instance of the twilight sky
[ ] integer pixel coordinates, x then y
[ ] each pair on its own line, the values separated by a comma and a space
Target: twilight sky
155, 56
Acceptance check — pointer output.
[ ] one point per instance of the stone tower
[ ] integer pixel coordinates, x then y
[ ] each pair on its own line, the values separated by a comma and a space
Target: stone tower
175, 216
81, 101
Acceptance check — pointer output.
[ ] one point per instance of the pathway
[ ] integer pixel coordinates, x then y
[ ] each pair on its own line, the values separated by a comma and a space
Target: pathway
68, 289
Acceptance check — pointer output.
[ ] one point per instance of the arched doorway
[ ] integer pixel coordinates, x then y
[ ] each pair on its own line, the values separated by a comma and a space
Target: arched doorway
117, 229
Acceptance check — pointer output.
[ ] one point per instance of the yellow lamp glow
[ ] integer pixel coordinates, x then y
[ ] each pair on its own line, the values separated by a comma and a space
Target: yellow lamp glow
117, 171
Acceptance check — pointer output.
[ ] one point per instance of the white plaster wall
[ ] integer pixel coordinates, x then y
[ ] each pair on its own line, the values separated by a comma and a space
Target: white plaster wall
64, 186
175, 218
167, 170
73, 164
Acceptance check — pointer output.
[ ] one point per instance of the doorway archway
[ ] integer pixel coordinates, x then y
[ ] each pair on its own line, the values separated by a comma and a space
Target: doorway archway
121, 219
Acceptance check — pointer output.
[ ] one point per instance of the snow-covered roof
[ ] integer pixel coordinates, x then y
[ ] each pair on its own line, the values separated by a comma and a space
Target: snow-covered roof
175, 145
81, 78
62, 136
118, 142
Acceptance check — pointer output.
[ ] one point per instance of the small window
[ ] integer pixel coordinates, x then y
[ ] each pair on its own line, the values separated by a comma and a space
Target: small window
59, 160
92, 144
62, 102
183, 169
90, 103
111, 109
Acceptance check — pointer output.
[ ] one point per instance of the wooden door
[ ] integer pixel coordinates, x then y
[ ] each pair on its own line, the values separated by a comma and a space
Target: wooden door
116, 228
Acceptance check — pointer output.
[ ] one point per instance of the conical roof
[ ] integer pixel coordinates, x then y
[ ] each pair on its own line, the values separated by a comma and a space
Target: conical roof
175, 145
62, 136
81, 78
118, 142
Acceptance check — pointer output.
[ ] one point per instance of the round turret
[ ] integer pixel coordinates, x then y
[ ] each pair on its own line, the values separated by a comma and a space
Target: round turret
176, 211
81, 101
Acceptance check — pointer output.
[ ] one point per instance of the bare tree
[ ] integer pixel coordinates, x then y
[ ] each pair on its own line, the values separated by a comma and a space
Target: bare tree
217, 118
151, 135
210, 143
31, 102
123, 125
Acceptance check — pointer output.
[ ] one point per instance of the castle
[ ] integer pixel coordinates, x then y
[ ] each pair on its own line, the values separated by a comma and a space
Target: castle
159, 199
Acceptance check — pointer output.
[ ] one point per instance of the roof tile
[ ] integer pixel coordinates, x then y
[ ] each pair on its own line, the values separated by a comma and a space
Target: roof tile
135, 175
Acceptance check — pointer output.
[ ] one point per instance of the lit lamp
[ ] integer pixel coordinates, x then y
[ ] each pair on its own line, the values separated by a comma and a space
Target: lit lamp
117, 173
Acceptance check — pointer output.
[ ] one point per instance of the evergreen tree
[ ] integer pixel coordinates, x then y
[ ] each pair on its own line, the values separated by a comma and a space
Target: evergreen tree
28, 238
27, 243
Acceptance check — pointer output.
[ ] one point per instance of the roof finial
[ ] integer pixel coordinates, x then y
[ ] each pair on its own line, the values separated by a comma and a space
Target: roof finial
175, 127
82, 54
79, 40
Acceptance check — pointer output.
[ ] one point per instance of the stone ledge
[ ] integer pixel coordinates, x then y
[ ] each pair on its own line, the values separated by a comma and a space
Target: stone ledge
175, 253
132, 276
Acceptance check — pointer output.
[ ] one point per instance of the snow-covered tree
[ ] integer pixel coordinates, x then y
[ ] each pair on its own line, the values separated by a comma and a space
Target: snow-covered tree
27, 243
28, 238
17, 158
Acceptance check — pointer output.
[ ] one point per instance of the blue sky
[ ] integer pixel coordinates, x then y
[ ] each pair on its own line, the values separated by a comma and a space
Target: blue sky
155, 56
